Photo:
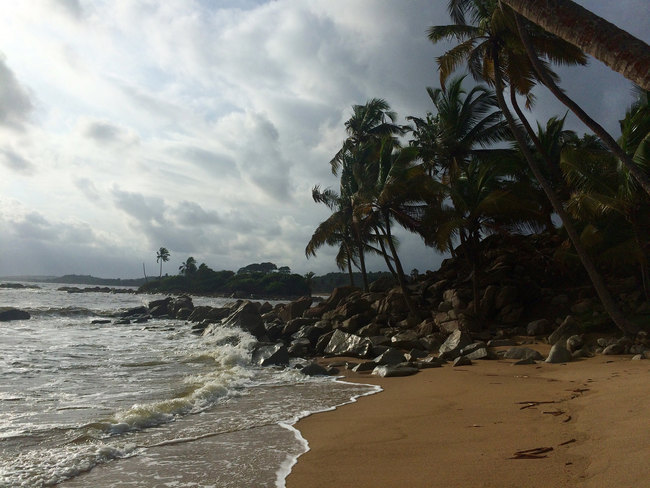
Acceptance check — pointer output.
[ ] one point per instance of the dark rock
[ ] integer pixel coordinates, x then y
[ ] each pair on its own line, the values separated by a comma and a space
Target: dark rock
501, 342
122, 322
309, 332
522, 362
559, 354
322, 342
294, 325
270, 355
382, 284
209, 314
568, 328
299, 347
614, 349
390, 356
101, 321
295, 309
523, 353
407, 339
131, 312
364, 367
180, 303
538, 327
575, 342
315, 369
450, 349
247, 317
462, 361
389, 371
338, 295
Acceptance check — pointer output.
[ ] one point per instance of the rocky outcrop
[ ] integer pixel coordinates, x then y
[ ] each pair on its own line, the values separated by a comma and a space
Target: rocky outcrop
9, 313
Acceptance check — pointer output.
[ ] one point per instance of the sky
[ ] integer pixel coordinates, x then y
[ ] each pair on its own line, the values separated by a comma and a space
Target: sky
202, 126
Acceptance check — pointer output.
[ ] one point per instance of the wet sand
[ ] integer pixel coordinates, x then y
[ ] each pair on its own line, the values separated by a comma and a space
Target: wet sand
491, 424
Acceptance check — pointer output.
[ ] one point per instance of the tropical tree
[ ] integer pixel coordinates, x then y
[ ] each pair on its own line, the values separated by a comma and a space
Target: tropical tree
601, 39
492, 49
162, 256
188, 268
395, 189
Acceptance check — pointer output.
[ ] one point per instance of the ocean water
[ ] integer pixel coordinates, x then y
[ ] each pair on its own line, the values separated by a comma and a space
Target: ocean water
143, 405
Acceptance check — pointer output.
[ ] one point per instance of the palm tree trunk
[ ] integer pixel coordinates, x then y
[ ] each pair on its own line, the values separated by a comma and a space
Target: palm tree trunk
350, 274
362, 258
385, 253
615, 47
400, 270
639, 175
596, 279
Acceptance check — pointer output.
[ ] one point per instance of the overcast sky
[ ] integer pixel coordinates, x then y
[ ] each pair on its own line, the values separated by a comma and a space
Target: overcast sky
202, 126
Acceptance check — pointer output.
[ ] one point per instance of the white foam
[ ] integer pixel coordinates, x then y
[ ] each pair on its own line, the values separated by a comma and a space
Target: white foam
285, 468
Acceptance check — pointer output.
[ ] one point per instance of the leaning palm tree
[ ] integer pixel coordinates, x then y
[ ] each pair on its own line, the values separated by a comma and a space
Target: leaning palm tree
188, 268
162, 256
492, 49
615, 47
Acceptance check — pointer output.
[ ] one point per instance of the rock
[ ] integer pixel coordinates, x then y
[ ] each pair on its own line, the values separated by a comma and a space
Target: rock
450, 349
295, 309
406, 340
568, 328
501, 342
11, 313
389, 371
344, 344
309, 332
538, 327
522, 362
479, 353
247, 317
354, 323
132, 312
315, 369
382, 285
299, 347
180, 303
582, 307
390, 356
270, 355
523, 353
638, 357
559, 354
462, 361
505, 296
614, 349
338, 295
100, 321
364, 367
575, 342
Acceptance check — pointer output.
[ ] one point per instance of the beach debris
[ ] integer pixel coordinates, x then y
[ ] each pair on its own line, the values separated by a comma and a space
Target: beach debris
534, 404
570, 441
555, 413
535, 453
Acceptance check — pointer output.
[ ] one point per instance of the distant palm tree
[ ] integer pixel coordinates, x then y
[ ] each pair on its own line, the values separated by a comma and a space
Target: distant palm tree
162, 256
188, 267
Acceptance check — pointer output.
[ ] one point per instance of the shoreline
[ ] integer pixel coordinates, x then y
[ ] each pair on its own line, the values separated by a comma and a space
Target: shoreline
490, 424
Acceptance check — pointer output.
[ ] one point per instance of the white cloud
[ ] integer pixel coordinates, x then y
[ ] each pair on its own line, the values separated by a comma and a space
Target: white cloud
202, 126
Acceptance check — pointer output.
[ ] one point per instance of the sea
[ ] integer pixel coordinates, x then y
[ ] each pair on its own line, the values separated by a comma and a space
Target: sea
86, 404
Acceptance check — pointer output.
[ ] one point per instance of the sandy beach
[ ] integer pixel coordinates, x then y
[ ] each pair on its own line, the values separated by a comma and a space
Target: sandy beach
490, 424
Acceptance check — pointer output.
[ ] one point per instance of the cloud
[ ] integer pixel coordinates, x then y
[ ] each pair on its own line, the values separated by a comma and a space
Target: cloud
191, 214
106, 133
87, 187
71, 8
145, 210
15, 99
212, 162
15, 162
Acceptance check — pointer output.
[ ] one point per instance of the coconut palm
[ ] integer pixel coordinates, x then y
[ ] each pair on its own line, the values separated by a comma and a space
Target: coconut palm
615, 47
396, 189
162, 256
492, 49
188, 268
483, 199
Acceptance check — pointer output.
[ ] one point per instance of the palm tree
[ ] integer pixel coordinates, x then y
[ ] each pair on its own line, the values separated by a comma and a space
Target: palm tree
395, 190
493, 52
642, 177
483, 199
162, 256
336, 230
188, 268
601, 39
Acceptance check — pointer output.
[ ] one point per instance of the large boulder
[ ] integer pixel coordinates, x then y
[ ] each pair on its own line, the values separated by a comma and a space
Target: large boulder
567, 329
295, 309
457, 340
344, 344
338, 295
11, 313
270, 355
559, 354
247, 317
523, 353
